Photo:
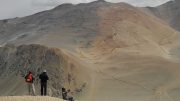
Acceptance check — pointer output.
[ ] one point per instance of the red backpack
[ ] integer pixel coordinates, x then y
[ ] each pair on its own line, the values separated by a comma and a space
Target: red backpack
29, 78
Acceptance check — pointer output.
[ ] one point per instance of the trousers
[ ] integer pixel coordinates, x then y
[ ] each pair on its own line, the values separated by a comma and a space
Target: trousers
43, 89
31, 88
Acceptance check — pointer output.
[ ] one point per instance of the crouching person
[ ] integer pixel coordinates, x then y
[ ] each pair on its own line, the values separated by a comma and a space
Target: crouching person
65, 95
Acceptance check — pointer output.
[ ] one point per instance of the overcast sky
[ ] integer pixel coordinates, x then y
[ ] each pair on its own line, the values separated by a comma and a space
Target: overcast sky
19, 8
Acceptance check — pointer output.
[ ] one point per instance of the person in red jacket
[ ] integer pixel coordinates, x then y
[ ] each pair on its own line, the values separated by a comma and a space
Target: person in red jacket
29, 80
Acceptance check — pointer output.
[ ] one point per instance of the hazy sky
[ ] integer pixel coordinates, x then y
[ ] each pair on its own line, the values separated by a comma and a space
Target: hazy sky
19, 8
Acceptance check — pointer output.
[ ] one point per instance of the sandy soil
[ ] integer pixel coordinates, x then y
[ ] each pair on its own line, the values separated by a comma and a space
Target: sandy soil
28, 98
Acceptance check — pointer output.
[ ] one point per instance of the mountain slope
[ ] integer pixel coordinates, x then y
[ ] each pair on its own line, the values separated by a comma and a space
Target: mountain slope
73, 22
80, 25
125, 27
169, 12
118, 51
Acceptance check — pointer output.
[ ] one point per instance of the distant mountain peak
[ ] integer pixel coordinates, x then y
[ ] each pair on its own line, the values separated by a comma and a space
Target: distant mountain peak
169, 12
101, 0
67, 5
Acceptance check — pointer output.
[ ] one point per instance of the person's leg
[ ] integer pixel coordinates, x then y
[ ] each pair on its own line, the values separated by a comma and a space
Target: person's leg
29, 88
41, 89
45, 89
33, 89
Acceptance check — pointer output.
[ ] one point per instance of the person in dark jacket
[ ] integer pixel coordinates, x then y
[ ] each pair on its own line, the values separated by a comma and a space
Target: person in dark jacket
29, 80
43, 77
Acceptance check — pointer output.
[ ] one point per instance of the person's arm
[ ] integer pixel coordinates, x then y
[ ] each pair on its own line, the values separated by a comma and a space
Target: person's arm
40, 76
25, 76
33, 78
47, 78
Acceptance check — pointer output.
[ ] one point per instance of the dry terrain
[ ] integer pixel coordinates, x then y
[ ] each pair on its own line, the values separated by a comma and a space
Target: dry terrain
28, 98
102, 51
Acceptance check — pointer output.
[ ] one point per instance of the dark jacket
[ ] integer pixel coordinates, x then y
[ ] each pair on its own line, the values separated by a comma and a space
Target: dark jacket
44, 77
27, 77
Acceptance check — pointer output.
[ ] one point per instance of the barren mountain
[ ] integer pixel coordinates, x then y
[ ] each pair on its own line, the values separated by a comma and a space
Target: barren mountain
113, 51
169, 12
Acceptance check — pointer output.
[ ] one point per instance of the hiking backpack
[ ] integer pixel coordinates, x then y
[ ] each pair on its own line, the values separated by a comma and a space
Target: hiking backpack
29, 78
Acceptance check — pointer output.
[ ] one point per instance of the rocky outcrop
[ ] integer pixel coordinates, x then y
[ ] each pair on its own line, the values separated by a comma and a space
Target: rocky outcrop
15, 62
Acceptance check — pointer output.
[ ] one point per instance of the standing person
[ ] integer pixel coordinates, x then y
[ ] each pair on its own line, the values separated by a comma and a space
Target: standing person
44, 77
29, 80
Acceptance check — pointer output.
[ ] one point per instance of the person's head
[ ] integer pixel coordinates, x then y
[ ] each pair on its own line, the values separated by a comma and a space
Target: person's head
63, 89
30, 72
44, 71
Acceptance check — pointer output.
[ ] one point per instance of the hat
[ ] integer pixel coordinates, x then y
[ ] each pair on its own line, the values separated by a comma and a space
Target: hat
44, 70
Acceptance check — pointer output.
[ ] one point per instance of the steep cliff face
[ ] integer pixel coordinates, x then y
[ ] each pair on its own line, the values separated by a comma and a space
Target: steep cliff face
15, 62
